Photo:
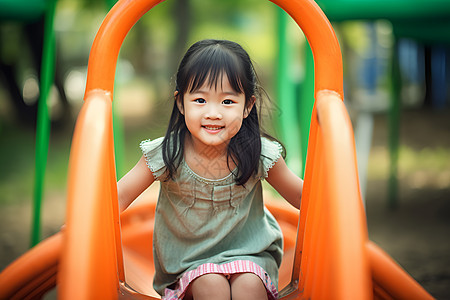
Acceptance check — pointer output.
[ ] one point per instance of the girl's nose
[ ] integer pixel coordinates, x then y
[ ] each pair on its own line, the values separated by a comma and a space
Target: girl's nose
213, 113
213, 116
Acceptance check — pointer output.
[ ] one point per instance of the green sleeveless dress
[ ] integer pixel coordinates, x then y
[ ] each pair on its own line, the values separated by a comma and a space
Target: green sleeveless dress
202, 221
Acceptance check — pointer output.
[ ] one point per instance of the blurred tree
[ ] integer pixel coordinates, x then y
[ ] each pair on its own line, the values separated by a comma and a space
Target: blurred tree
16, 39
182, 12
20, 54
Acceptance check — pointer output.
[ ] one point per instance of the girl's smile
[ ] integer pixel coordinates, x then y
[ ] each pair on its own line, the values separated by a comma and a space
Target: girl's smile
213, 129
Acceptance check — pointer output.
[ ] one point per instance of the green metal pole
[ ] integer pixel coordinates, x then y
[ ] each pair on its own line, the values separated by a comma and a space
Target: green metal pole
306, 102
43, 119
118, 127
118, 141
288, 119
110, 3
394, 129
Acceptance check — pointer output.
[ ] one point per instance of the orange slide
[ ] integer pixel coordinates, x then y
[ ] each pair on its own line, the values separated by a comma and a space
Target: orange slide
100, 255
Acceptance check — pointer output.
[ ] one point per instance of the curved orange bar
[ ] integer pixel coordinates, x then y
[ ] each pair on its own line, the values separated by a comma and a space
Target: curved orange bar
322, 39
348, 228
391, 278
307, 14
335, 263
34, 273
91, 258
105, 49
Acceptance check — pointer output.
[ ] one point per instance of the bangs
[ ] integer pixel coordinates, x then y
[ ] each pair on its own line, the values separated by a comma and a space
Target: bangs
210, 65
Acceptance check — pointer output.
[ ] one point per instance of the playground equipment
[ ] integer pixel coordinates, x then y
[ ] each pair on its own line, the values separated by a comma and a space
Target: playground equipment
27, 11
100, 255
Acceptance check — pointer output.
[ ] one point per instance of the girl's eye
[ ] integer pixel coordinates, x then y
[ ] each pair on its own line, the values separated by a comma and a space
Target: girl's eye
200, 100
227, 101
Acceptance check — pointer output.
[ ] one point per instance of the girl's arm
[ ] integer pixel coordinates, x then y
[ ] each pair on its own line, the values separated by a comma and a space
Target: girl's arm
286, 182
134, 183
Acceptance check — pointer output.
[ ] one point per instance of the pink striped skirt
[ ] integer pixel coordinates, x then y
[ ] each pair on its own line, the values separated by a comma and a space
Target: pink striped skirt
228, 269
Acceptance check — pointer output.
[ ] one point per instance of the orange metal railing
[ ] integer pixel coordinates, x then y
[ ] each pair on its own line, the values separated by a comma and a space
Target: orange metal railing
334, 262
91, 253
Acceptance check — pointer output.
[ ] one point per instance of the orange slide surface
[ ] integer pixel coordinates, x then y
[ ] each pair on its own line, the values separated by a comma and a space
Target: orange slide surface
101, 255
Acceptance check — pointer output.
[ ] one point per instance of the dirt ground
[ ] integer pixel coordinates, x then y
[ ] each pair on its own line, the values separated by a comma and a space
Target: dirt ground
416, 234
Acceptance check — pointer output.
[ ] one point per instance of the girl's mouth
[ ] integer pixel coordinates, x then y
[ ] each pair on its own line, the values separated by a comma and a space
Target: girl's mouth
213, 128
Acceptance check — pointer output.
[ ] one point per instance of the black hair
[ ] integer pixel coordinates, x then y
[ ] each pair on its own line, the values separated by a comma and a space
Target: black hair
210, 60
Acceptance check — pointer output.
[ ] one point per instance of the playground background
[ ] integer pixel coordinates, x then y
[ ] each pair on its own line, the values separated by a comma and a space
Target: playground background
415, 233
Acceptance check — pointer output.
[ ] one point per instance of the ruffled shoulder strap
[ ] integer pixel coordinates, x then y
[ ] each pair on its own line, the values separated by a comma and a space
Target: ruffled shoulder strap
152, 150
270, 152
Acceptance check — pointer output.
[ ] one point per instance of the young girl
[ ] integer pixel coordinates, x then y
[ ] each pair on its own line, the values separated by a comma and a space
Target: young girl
213, 238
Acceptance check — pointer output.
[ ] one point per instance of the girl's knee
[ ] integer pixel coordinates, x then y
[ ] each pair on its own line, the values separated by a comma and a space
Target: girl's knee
247, 286
209, 286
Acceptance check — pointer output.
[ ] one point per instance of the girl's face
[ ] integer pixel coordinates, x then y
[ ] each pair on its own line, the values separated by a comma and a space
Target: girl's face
214, 114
